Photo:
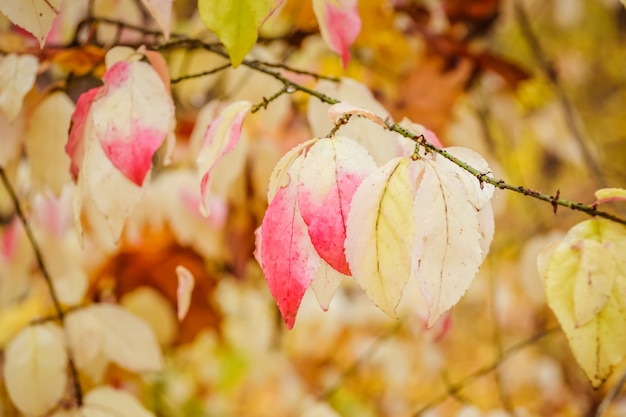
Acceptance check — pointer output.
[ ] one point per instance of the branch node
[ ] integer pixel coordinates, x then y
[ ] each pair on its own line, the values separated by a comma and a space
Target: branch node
555, 198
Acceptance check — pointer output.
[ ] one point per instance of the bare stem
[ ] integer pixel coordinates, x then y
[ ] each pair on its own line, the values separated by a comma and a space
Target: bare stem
266, 101
200, 74
46, 276
573, 124
454, 389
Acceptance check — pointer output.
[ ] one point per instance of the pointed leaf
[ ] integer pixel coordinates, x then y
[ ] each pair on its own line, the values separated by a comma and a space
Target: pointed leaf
339, 23
161, 11
585, 280
446, 251
186, 283
131, 117
331, 173
280, 176
35, 368
604, 195
220, 138
106, 401
288, 257
380, 234
326, 283
236, 22
36, 16
45, 137
75, 147
17, 77
336, 111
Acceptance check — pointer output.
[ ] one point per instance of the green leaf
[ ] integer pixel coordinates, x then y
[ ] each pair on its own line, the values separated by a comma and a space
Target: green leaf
585, 281
236, 22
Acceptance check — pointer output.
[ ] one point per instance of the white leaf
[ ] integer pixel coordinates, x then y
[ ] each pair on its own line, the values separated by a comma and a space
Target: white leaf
325, 284
446, 251
35, 368
109, 331
161, 10
380, 234
106, 401
17, 76
36, 16
46, 135
479, 194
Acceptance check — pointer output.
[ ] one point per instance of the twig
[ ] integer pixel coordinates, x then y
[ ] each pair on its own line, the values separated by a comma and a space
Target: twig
200, 74
266, 101
568, 109
298, 71
453, 389
610, 396
46, 276
358, 362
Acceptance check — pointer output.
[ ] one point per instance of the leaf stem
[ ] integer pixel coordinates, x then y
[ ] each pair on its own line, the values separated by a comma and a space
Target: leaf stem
78, 392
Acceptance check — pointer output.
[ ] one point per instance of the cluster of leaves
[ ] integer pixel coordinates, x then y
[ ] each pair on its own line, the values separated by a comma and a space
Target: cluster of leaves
381, 202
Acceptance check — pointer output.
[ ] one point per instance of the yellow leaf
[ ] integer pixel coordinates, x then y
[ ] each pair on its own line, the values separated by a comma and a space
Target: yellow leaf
236, 23
610, 194
585, 280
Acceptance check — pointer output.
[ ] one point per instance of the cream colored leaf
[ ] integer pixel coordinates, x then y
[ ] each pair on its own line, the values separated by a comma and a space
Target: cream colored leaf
106, 401
279, 177
17, 77
578, 272
186, 283
380, 234
605, 195
46, 135
446, 252
155, 309
479, 194
12, 139
325, 284
337, 111
161, 11
36, 16
35, 368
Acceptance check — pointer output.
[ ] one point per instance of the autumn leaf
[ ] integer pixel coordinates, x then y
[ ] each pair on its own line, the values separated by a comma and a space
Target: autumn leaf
379, 234
161, 11
331, 172
17, 76
36, 16
35, 368
106, 401
584, 277
446, 251
288, 258
325, 284
236, 22
132, 116
339, 24
220, 137
604, 195
186, 283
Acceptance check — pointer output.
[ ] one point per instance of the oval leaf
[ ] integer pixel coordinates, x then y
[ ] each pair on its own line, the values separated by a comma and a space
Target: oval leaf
36, 16
35, 368
332, 171
17, 77
380, 234
339, 24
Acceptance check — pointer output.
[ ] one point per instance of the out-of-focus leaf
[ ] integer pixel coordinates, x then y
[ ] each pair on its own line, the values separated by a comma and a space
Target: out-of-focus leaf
585, 280
331, 172
336, 111
45, 137
220, 137
109, 332
236, 22
105, 401
379, 234
326, 283
17, 76
35, 368
604, 195
339, 24
183, 293
36, 16
80, 60
161, 11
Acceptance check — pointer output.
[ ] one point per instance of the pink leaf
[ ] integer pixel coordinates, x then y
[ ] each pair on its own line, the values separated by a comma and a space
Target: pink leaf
75, 147
221, 137
132, 117
288, 257
339, 23
605, 195
332, 171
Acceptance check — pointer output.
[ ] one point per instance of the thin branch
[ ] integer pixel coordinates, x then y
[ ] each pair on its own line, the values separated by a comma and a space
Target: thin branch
553, 200
46, 276
266, 101
454, 389
200, 74
359, 361
611, 395
298, 71
569, 112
